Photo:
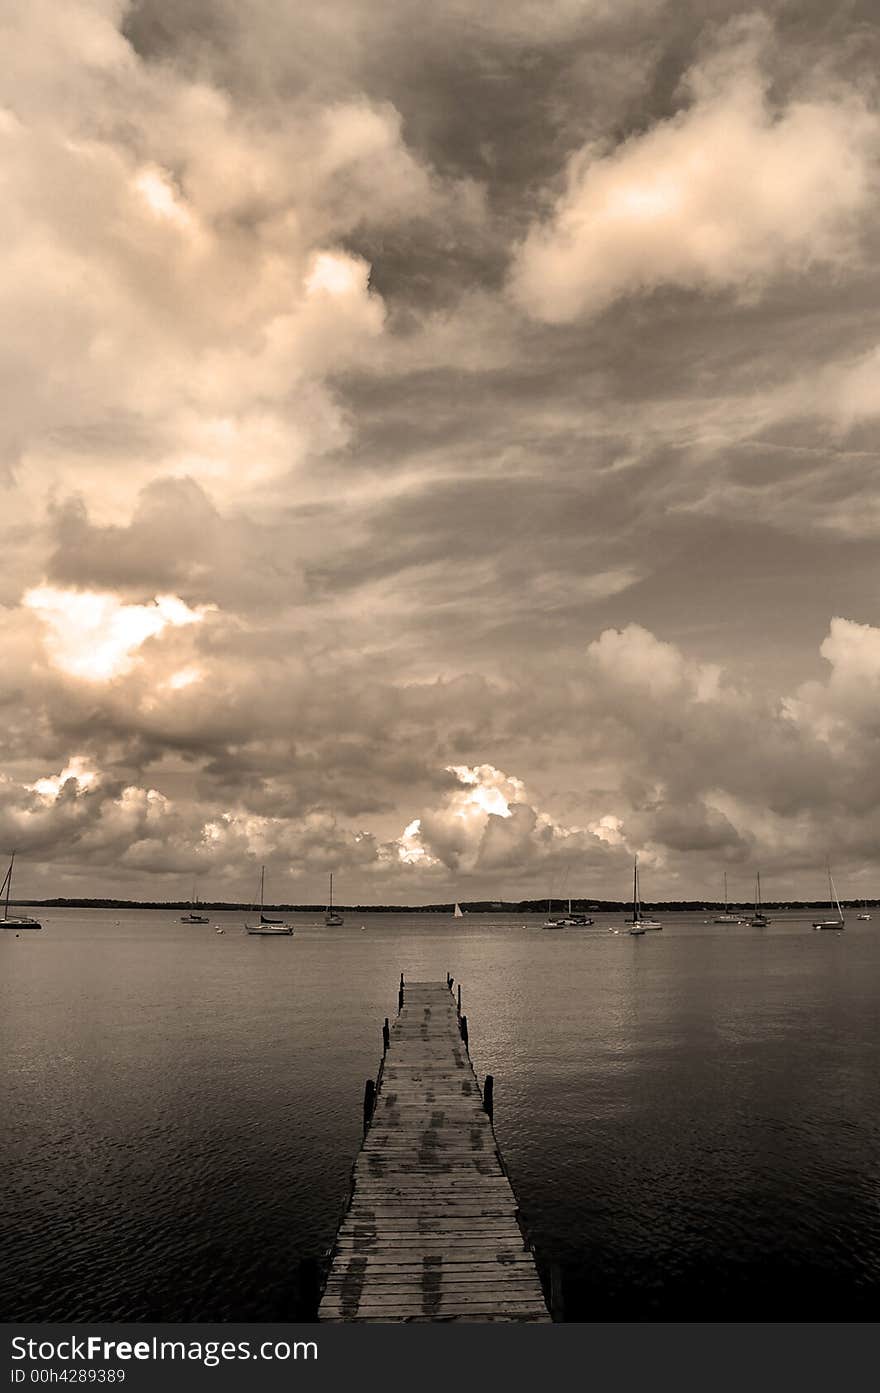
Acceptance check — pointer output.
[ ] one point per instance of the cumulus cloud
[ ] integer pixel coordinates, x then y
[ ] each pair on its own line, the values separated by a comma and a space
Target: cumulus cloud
319, 552
729, 192
485, 825
94, 636
705, 774
175, 278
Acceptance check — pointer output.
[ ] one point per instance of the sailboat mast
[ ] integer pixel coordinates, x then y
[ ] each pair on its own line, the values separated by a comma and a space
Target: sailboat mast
262, 883
636, 914
331, 892
836, 900
726, 901
8, 886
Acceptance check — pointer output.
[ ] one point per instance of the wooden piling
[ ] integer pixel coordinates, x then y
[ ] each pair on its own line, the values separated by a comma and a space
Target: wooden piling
369, 1102
432, 1230
386, 1036
463, 1030
489, 1095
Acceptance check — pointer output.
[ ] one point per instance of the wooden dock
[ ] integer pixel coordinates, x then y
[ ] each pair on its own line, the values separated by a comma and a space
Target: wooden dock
431, 1232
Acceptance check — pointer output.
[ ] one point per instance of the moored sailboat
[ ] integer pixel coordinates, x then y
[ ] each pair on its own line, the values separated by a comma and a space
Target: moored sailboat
15, 921
550, 922
193, 917
839, 922
332, 918
457, 912
267, 928
759, 919
726, 917
864, 914
639, 925
567, 921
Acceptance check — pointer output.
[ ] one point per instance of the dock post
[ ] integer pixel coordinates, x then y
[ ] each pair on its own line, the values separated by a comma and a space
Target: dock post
386, 1037
462, 1025
459, 998
369, 1102
557, 1304
489, 1095
400, 994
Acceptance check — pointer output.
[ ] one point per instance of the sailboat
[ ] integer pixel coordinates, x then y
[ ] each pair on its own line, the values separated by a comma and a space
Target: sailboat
759, 919
726, 917
839, 922
267, 928
864, 914
333, 919
457, 911
192, 917
16, 921
639, 925
574, 921
550, 922
577, 921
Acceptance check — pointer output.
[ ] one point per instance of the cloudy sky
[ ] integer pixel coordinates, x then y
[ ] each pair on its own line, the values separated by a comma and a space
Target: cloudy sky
440, 446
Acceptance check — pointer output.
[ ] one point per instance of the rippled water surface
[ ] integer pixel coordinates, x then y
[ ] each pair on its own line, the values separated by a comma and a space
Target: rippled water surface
691, 1119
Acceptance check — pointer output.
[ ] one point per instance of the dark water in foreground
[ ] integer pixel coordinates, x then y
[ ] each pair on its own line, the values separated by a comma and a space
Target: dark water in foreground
691, 1119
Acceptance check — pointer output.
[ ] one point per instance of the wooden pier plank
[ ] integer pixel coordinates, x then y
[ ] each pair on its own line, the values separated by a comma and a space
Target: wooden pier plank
431, 1230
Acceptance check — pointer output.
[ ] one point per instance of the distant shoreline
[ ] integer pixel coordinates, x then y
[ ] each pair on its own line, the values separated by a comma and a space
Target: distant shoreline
473, 907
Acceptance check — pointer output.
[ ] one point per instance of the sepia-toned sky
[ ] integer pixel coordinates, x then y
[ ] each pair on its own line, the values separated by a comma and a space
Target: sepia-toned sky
440, 445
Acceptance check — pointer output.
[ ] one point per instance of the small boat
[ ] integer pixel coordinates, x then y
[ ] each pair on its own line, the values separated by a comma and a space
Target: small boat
575, 921
864, 914
192, 917
759, 919
332, 918
566, 921
457, 911
726, 917
550, 922
639, 925
838, 923
268, 928
14, 921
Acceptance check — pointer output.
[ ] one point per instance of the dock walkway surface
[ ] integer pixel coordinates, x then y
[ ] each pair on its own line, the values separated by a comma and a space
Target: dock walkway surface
431, 1232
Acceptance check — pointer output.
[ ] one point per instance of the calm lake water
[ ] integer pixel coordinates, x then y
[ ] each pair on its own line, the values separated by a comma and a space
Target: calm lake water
691, 1119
